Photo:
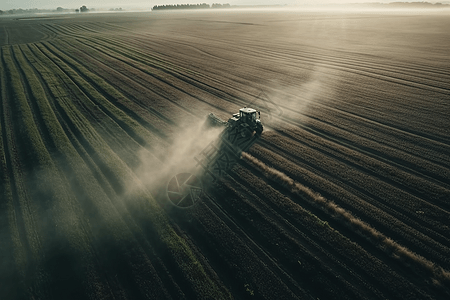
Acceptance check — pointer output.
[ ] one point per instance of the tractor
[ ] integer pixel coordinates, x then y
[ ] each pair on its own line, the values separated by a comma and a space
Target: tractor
240, 132
245, 122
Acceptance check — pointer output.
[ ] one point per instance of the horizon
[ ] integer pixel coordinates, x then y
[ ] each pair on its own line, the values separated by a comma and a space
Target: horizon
138, 4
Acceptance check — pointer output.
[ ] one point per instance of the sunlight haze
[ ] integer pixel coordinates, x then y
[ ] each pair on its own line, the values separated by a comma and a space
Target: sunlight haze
53, 4
244, 149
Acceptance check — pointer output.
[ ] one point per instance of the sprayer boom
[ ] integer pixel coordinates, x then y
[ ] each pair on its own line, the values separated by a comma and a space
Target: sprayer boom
240, 132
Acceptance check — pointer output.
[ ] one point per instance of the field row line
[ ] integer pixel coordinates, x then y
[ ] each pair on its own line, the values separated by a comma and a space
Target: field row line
293, 247
166, 66
439, 276
399, 129
312, 53
364, 65
329, 243
147, 209
359, 139
22, 135
395, 174
93, 190
15, 240
370, 212
107, 98
142, 64
417, 226
105, 64
427, 139
57, 198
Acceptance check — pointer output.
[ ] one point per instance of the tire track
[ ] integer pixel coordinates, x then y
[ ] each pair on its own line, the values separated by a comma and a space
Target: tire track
132, 129
139, 63
88, 208
394, 138
25, 211
228, 96
49, 34
363, 65
106, 66
44, 139
424, 186
323, 54
110, 97
366, 230
313, 55
32, 102
356, 145
414, 232
265, 257
358, 250
400, 211
328, 244
20, 248
89, 112
132, 211
136, 78
338, 275
58, 30
65, 167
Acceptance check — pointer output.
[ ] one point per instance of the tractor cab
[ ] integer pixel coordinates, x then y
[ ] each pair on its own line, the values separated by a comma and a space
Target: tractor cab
248, 115
246, 119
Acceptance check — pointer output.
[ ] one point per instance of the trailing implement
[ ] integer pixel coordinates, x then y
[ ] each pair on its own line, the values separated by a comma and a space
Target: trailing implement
240, 132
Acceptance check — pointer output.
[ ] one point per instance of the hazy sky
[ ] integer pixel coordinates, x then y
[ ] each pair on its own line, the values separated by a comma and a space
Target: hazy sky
53, 4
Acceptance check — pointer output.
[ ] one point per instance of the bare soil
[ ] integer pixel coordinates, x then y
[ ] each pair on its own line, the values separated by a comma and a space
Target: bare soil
96, 107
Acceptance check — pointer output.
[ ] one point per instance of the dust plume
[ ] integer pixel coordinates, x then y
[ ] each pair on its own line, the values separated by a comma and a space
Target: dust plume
177, 157
283, 99
374, 236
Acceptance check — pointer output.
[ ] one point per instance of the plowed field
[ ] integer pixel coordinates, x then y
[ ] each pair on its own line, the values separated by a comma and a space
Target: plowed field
346, 195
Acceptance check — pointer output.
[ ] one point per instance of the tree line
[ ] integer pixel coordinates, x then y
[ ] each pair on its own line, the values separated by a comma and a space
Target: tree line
21, 11
190, 6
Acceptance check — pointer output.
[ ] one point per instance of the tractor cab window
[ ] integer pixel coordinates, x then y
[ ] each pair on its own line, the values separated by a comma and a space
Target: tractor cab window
244, 116
254, 117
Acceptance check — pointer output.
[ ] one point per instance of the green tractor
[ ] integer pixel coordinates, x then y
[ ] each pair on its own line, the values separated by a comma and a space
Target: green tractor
245, 122
239, 133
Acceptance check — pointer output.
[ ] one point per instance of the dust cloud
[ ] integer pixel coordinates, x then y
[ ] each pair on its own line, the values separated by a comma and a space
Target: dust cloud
178, 157
377, 238
290, 101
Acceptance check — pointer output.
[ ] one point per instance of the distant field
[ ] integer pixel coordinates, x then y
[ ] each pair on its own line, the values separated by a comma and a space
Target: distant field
345, 196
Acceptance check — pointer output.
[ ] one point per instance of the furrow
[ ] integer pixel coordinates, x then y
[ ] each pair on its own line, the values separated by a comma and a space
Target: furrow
364, 210
91, 96
30, 253
325, 242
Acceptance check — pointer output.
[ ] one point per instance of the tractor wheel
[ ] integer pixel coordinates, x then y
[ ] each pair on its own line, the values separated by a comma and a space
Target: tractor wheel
259, 129
184, 190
